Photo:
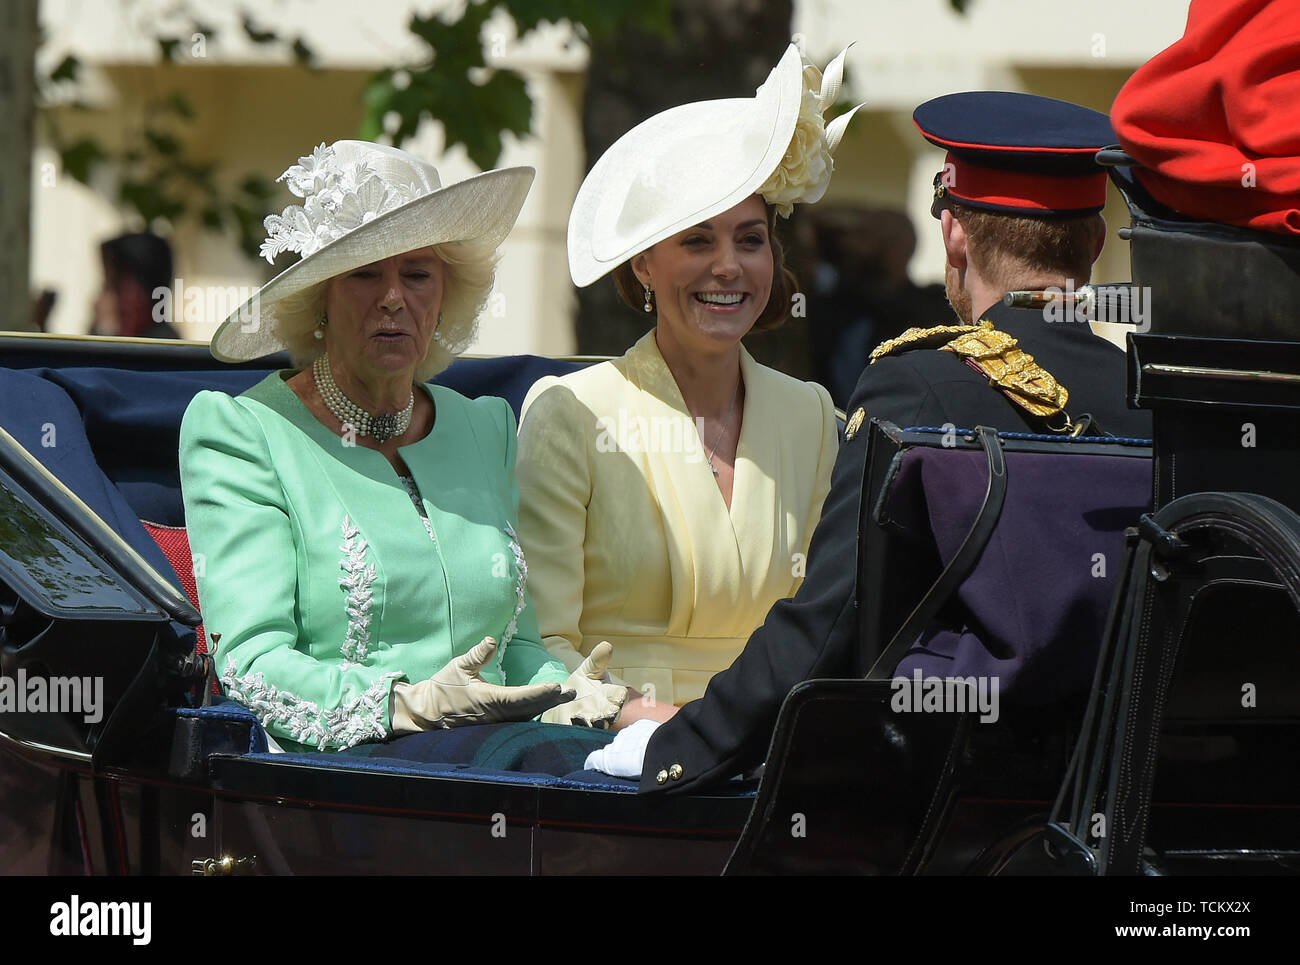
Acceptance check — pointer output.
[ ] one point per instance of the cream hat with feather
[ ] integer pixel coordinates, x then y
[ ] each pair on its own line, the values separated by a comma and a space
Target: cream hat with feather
689, 163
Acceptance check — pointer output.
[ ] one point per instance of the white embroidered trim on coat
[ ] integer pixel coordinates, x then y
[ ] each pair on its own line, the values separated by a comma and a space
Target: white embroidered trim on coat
357, 582
521, 579
359, 720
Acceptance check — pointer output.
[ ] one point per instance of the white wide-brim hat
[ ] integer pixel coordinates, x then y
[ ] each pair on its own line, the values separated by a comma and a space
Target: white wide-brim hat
362, 203
689, 163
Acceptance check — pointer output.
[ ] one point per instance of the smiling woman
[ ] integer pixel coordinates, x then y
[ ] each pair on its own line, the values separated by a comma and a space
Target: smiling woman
358, 524
751, 235
674, 558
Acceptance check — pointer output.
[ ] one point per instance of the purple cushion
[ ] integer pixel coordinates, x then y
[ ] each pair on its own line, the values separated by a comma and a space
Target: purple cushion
1034, 609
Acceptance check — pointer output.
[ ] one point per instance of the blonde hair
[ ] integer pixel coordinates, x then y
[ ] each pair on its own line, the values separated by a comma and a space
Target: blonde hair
470, 270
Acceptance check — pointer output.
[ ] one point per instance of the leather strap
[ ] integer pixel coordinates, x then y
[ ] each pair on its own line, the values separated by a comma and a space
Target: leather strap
959, 567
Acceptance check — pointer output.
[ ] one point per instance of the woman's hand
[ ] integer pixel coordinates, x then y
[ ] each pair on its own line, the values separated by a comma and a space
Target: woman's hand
458, 695
597, 703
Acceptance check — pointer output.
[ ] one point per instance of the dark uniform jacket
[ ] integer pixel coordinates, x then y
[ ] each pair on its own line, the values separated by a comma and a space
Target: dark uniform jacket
813, 634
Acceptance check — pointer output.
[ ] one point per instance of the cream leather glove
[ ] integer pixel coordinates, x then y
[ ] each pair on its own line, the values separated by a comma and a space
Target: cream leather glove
456, 695
597, 703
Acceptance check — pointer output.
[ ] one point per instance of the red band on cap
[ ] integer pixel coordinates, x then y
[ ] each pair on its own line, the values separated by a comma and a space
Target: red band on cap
1022, 191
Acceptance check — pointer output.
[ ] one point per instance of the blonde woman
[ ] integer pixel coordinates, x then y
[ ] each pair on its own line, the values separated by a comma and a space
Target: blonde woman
362, 575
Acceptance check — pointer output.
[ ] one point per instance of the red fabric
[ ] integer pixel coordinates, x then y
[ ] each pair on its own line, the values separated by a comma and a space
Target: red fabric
994, 149
1022, 191
175, 544
1215, 118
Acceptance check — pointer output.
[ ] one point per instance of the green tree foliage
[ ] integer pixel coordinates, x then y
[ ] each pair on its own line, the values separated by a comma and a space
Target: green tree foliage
155, 178
477, 104
158, 181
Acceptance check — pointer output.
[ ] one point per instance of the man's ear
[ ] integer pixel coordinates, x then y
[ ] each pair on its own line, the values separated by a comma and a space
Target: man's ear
1100, 241
954, 240
640, 270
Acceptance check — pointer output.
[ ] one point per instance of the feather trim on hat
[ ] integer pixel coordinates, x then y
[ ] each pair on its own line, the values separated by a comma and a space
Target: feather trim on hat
805, 171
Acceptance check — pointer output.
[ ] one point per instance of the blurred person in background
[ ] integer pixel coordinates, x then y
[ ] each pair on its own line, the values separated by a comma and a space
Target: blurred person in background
135, 266
860, 293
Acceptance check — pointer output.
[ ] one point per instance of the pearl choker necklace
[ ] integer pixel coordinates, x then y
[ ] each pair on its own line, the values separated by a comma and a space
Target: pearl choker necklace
380, 427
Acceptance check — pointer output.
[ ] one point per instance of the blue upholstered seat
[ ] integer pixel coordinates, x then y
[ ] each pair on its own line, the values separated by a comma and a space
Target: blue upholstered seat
131, 418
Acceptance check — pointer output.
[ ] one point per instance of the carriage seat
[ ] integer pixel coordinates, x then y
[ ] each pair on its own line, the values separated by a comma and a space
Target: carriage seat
131, 416
920, 785
1031, 611
1210, 279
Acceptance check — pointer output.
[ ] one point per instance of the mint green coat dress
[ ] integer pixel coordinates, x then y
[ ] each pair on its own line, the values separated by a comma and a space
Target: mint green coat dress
319, 574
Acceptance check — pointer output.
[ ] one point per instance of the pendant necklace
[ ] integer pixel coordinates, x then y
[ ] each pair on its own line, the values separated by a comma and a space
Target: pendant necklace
726, 424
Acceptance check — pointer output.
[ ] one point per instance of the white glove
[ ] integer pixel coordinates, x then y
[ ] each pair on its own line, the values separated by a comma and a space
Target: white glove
457, 695
597, 703
625, 754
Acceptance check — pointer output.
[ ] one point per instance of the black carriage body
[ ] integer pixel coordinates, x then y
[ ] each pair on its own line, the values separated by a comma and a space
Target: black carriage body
1199, 685
1182, 761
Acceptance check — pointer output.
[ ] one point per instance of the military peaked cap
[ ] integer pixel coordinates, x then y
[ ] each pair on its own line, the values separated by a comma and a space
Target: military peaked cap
1017, 153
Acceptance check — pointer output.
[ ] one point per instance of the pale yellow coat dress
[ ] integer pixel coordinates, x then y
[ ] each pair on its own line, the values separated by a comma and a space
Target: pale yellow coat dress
625, 531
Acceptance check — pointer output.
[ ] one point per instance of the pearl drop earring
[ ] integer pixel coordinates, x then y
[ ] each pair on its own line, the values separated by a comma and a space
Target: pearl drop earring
320, 328
648, 292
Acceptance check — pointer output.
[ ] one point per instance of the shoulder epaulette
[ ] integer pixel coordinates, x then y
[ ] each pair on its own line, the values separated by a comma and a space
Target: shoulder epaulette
917, 337
998, 357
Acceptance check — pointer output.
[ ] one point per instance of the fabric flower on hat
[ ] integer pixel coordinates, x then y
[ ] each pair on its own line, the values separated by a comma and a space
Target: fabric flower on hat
805, 171
338, 198
311, 174
370, 199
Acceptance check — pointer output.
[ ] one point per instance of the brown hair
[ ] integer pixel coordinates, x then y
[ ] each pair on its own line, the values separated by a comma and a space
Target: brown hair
775, 312
1004, 246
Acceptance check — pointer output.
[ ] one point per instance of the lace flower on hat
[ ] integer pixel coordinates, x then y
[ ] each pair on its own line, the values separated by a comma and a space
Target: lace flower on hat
337, 198
805, 170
